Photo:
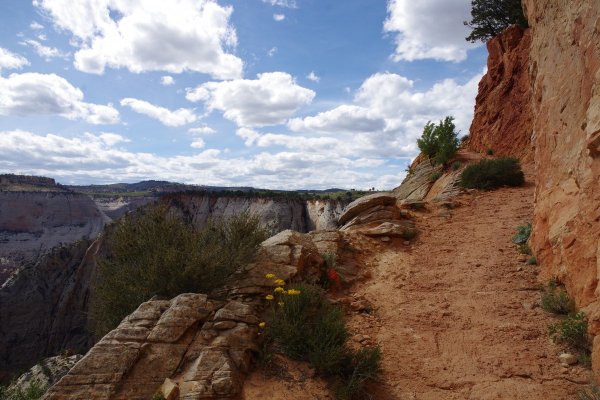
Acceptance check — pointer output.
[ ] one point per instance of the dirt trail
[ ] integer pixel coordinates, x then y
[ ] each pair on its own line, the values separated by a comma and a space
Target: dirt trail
457, 317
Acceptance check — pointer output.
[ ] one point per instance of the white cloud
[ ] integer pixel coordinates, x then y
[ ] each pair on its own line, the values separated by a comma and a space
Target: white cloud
344, 118
10, 60
49, 94
36, 25
167, 80
198, 143
112, 138
90, 158
172, 36
429, 29
313, 77
45, 52
179, 117
272, 51
278, 17
269, 100
282, 3
202, 130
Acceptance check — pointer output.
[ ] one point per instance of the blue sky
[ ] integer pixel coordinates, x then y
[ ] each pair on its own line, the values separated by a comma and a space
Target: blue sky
278, 94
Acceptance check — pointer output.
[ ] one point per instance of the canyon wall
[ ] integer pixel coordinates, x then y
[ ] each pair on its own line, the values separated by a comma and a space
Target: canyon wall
503, 120
565, 77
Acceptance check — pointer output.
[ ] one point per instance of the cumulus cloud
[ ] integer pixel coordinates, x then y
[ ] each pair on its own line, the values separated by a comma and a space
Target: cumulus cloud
278, 17
429, 29
172, 36
313, 77
10, 60
49, 94
282, 3
269, 100
198, 143
179, 117
36, 25
90, 158
202, 130
167, 80
45, 52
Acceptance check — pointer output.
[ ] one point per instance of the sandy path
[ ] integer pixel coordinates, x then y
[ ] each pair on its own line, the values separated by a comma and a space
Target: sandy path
454, 315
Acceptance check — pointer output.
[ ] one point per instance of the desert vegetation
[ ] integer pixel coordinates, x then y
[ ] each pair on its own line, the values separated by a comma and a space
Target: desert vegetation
492, 174
153, 253
439, 142
490, 17
31, 391
303, 324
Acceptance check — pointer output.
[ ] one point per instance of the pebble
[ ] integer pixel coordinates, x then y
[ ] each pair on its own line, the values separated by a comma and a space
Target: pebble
567, 359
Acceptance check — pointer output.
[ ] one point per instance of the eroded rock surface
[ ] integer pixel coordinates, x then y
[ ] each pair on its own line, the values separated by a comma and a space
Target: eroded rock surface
565, 75
503, 119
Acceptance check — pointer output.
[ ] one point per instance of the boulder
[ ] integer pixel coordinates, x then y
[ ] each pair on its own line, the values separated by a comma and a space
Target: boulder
364, 203
417, 183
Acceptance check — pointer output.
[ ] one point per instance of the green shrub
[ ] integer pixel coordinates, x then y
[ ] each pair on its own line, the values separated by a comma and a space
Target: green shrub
490, 17
435, 176
308, 327
491, 174
532, 260
522, 235
409, 234
489, 152
556, 300
439, 142
153, 253
32, 391
524, 248
456, 165
572, 331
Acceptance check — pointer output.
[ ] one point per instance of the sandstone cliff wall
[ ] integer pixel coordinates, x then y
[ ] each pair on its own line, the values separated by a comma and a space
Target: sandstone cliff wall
503, 119
565, 76
31, 223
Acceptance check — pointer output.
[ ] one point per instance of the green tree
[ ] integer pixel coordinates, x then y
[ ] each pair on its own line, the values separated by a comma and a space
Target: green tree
490, 17
154, 253
439, 142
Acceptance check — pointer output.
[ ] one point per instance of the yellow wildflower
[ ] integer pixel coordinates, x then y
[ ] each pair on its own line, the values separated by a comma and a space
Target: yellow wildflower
269, 297
279, 282
278, 289
262, 324
270, 276
293, 292
281, 303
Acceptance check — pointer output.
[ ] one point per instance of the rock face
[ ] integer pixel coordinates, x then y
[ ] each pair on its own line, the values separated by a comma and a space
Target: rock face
565, 75
203, 346
503, 118
116, 207
277, 214
31, 223
42, 307
46, 373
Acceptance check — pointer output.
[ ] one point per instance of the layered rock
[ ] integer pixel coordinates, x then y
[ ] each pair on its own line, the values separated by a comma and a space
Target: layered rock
43, 307
278, 214
44, 374
503, 117
202, 345
31, 223
565, 75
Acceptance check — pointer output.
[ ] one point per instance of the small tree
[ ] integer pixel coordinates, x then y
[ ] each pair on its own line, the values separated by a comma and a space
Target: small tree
439, 142
490, 17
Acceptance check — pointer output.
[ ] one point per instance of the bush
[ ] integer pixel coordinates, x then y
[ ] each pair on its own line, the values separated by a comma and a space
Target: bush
435, 176
524, 248
456, 165
556, 300
491, 174
32, 391
307, 327
522, 235
571, 331
490, 17
532, 260
153, 253
439, 142
489, 152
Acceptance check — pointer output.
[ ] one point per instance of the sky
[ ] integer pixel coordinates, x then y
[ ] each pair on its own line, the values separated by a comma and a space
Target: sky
278, 94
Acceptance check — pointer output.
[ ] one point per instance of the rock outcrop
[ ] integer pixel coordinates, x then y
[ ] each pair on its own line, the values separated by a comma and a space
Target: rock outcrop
503, 118
565, 76
45, 373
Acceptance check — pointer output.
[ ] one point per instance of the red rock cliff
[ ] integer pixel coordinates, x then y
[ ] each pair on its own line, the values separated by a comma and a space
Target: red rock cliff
503, 118
565, 77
